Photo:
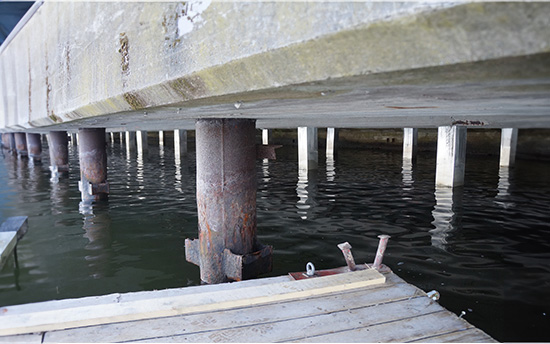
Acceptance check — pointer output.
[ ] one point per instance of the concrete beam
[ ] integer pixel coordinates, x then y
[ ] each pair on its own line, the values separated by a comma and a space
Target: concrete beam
311, 64
508, 143
410, 138
451, 156
308, 156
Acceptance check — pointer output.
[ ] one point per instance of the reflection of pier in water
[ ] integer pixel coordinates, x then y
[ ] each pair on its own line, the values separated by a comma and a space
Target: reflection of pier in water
502, 197
97, 228
306, 190
447, 214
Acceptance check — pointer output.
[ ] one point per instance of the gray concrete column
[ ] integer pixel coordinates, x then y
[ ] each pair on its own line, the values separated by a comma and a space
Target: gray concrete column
410, 138
265, 136
508, 143
58, 142
161, 138
227, 248
180, 142
331, 141
141, 138
121, 136
451, 156
92, 151
21, 144
307, 148
112, 136
34, 144
131, 141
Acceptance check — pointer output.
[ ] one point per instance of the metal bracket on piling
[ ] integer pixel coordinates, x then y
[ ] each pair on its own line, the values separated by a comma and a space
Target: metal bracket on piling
266, 151
236, 267
93, 189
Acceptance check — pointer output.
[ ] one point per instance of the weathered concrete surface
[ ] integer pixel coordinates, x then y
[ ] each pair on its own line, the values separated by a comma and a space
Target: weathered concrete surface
374, 64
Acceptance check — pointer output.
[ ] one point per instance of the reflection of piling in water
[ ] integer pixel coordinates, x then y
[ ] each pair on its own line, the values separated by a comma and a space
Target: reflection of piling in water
306, 192
59, 196
503, 194
407, 173
97, 227
447, 215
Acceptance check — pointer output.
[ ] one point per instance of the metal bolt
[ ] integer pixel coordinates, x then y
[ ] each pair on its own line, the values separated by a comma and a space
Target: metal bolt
346, 250
380, 252
434, 295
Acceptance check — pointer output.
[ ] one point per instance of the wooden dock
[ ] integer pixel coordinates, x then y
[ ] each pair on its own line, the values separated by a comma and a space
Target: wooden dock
360, 306
11, 231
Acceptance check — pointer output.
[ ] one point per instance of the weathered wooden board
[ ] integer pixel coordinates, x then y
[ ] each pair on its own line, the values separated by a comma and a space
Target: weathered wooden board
47, 320
8, 240
297, 328
136, 296
18, 224
402, 330
471, 335
236, 318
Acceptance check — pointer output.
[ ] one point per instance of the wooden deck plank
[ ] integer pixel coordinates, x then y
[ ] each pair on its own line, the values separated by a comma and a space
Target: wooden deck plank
7, 245
472, 335
403, 330
219, 320
136, 296
346, 319
18, 224
48, 320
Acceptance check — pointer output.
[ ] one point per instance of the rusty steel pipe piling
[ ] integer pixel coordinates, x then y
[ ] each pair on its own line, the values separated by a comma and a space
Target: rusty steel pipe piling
12, 145
34, 145
59, 151
21, 144
93, 183
380, 251
227, 248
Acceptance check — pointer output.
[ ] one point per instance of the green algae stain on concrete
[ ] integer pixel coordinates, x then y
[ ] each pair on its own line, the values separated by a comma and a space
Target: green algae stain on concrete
188, 87
55, 118
135, 101
124, 51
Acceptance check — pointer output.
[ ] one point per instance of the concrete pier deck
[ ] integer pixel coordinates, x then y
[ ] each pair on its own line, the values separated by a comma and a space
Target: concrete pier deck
360, 306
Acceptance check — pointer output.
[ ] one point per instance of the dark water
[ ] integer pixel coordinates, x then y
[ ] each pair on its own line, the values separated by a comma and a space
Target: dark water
485, 248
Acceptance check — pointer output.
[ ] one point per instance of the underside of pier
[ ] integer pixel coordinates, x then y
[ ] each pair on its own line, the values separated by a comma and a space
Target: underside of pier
139, 66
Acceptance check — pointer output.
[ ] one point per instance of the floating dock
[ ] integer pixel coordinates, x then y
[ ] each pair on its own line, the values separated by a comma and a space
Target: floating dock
359, 306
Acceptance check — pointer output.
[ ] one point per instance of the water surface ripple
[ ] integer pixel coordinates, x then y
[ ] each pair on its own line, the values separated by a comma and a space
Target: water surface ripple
485, 246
